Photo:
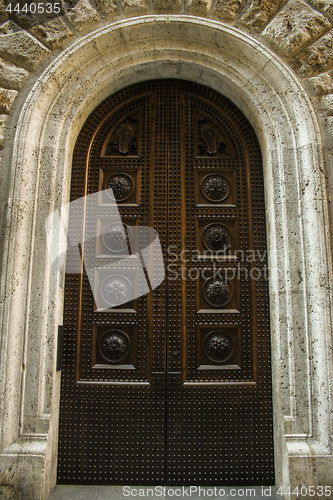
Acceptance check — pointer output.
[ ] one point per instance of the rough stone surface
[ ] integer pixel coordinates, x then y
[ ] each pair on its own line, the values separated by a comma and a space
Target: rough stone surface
227, 10
134, 7
317, 58
82, 14
264, 89
51, 32
19, 46
109, 9
3, 12
198, 7
168, 5
320, 85
3, 119
325, 105
7, 98
257, 13
11, 76
325, 6
295, 26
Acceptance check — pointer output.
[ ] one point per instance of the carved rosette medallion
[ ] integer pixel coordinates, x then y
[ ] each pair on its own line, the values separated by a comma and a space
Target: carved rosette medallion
215, 237
116, 290
218, 346
116, 237
122, 186
217, 292
215, 188
114, 345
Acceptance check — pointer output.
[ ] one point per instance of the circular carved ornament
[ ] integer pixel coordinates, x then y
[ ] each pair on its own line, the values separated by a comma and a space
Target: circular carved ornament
218, 346
116, 237
215, 188
122, 186
114, 345
116, 290
216, 237
217, 292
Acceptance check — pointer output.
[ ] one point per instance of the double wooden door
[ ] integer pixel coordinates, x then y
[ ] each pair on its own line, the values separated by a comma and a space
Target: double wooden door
173, 387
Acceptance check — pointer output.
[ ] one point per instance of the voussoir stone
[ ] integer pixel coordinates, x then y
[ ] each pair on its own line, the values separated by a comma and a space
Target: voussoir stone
168, 5
227, 10
51, 32
107, 8
257, 13
325, 105
325, 6
198, 7
82, 14
295, 26
134, 6
11, 76
3, 119
320, 85
20, 47
317, 58
3, 12
7, 98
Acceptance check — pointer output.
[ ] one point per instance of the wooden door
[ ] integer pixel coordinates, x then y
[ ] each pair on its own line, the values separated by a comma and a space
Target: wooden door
184, 397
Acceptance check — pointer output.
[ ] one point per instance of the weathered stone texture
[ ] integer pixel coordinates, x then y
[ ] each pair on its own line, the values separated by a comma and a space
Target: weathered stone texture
320, 85
108, 8
325, 105
82, 14
3, 119
133, 7
11, 76
198, 7
3, 12
20, 47
7, 98
51, 32
227, 10
325, 6
295, 26
316, 59
257, 13
168, 5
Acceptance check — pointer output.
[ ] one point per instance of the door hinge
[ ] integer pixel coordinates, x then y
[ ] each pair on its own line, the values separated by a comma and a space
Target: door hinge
60, 345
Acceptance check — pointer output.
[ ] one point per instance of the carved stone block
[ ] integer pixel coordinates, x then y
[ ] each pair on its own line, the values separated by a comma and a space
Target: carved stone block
296, 25
20, 46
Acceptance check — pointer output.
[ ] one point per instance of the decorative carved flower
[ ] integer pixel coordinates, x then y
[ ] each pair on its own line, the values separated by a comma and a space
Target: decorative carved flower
116, 238
114, 346
215, 188
121, 186
218, 292
216, 238
218, 347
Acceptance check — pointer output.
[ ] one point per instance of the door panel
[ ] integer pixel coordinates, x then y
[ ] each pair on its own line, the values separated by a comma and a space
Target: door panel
185, 398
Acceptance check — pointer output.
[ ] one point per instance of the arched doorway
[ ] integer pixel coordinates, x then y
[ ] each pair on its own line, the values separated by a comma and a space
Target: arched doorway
188, 400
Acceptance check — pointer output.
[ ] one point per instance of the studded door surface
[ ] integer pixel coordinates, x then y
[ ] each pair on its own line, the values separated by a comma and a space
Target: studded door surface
173, 387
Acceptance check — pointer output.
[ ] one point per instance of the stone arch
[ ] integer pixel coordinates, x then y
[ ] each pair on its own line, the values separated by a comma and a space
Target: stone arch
274, 101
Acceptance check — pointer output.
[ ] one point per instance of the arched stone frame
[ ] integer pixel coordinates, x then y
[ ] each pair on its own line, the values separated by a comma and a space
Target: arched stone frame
277, 106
